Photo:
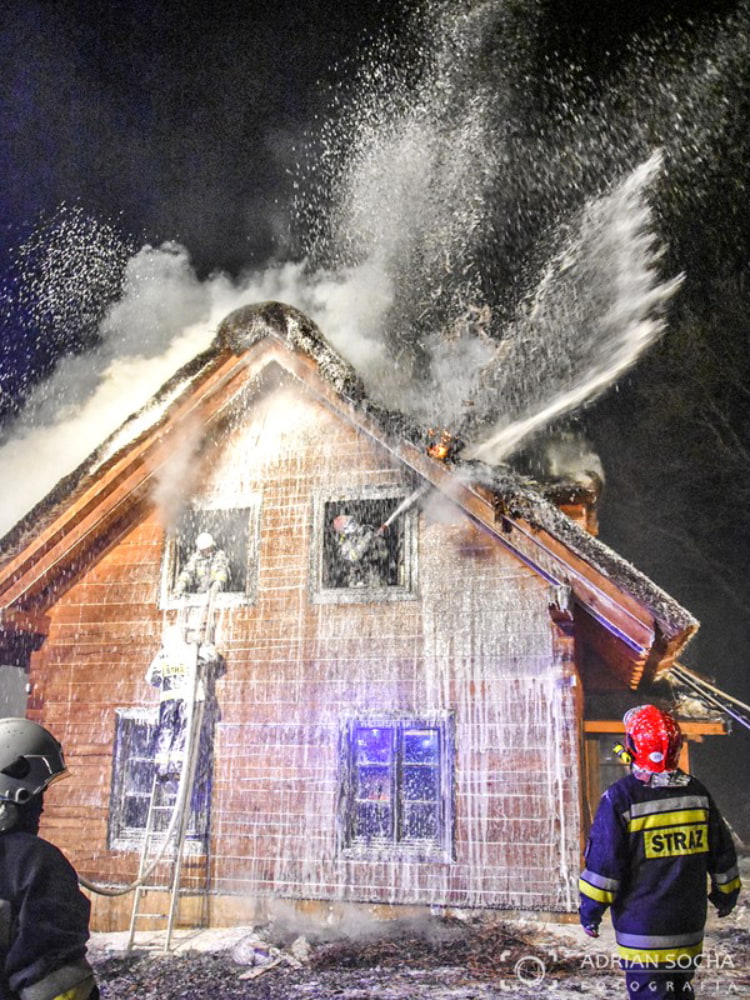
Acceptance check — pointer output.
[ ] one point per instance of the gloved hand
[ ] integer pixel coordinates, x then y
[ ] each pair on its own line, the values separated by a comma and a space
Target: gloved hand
86, 990
591, 929
724, 904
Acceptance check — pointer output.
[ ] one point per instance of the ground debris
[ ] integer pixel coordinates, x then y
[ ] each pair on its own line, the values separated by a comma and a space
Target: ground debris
438, 959
481, 949
457, 957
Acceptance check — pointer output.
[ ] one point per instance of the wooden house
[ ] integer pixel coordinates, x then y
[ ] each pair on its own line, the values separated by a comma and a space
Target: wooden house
429, 733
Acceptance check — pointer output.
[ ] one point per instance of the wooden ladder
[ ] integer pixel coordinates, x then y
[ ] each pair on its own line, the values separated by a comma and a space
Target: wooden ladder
169, 844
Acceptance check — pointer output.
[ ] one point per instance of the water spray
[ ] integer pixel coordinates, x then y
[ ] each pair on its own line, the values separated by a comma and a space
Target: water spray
407, 504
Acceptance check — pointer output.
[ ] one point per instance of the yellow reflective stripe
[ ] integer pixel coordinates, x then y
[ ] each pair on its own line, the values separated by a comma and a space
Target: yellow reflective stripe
654, 820
736, 883
80, 992
600, 895
659, 956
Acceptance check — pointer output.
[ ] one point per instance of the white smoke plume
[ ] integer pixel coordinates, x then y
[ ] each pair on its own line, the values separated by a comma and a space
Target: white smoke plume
164, 317
416, 192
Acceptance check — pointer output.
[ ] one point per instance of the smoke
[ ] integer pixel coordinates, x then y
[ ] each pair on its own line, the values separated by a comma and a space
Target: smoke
434, 181
178, 476
164, 317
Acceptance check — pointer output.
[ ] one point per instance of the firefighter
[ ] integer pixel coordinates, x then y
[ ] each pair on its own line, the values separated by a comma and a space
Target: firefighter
362, 552
173, 670
656, 839
206, 570
44, 917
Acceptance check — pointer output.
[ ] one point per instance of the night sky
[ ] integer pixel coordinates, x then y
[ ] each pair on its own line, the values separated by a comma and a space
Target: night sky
174, 121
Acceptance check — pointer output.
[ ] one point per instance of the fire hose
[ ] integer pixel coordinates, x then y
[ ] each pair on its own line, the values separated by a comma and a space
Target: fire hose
177, 812
191, 749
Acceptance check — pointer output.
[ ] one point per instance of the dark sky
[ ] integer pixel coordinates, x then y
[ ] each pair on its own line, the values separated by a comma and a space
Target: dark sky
182, 118
185, 122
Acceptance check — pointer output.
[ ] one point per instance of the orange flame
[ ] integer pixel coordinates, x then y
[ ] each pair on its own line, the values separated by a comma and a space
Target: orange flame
439, 444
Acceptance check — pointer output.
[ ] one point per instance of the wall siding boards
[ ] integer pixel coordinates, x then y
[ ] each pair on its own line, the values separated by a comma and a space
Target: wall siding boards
473, 643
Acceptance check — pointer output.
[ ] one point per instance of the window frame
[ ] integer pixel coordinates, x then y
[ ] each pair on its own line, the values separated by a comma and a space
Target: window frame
225, 598
130, 838
397, 847
408, 590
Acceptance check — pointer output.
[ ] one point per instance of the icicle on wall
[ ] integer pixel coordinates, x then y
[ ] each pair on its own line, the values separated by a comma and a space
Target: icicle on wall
474, 642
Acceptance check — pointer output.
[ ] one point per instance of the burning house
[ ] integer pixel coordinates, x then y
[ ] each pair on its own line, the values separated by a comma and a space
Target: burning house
413, 665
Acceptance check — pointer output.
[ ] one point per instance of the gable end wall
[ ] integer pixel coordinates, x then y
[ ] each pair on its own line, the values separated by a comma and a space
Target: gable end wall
476, 641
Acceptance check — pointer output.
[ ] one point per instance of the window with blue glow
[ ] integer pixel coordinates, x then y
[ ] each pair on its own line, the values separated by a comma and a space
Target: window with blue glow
398, 787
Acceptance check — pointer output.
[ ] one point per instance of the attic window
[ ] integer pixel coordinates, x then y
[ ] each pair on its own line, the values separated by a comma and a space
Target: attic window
235, 534
397, 779
132, 780
358, 556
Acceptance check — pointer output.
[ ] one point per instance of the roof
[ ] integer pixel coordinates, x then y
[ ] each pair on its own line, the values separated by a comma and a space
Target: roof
696, 714
606, 592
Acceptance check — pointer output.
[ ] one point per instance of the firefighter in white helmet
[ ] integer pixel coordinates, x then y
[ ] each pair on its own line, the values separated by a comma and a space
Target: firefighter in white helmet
207, 568
656, 840
44, 917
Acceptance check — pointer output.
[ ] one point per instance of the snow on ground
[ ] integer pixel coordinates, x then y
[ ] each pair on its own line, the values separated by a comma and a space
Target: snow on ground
437, 959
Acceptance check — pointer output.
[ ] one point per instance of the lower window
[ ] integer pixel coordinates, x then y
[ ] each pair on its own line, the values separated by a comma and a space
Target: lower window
397, 785
133, 777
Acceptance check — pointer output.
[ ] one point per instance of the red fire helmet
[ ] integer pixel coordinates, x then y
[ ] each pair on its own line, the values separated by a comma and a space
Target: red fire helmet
653, 738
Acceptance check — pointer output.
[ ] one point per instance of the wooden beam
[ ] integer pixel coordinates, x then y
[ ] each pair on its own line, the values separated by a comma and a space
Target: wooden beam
13, 620
688, 727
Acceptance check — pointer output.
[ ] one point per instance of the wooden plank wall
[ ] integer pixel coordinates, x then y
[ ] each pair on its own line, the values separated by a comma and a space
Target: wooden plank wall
476, 641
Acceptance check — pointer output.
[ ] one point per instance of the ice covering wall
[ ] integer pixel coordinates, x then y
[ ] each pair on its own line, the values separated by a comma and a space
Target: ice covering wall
467, 645
474, 642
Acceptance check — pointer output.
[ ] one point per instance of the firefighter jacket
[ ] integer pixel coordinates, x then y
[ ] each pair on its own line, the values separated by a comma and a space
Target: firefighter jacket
44, 923
173, 671
203, 571
363, 553
651, 850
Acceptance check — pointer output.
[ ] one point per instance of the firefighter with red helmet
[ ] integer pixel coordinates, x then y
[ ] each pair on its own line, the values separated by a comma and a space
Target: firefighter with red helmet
656, 840
44, 917
362, 552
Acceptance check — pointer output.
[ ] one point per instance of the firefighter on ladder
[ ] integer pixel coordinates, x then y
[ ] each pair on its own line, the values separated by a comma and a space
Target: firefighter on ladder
179, 668
44, 917
173, 671
656, 840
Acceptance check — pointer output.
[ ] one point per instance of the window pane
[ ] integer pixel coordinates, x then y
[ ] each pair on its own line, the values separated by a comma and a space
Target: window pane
139, 738
135, 812
421, 746
373, 820
138, 776
373, 746
394, 790
420, 821
420, 783
374, 783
